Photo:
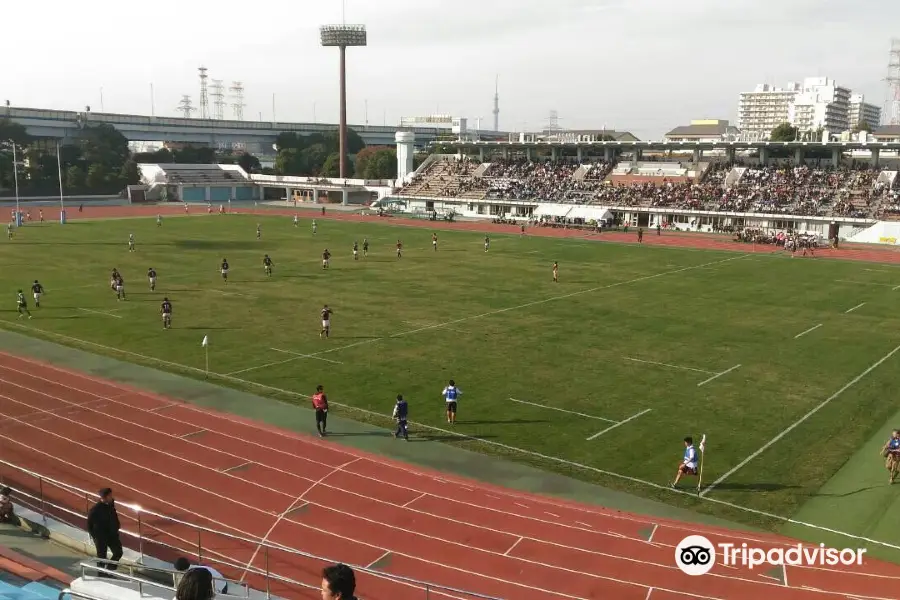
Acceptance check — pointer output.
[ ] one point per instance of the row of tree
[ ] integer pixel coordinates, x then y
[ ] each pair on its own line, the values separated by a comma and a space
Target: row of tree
100, 161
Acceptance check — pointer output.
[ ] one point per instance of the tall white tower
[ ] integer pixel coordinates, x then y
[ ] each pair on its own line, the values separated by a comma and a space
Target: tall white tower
497, 103
406, 141
892, 114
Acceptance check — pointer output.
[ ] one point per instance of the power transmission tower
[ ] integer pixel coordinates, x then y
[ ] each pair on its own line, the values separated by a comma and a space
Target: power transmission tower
218, 95
186, 106
893, 82
204, 96
237, 95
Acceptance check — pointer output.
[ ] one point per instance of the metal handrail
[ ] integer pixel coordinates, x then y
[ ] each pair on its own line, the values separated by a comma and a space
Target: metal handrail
93, 564
196, 548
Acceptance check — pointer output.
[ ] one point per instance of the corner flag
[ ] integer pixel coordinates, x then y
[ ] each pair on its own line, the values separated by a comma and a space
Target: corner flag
702, 453
205, 344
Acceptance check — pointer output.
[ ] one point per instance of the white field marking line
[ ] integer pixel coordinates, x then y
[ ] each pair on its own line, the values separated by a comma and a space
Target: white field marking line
552, 515
301, 355
419, 497
250, 536
546, 542
379, 559
238, 294
501, 310
649, 591
292, 506
653, 532
895, 288
611, 427
650, 362
100, 312
864, 282
158, 408
583, 524
799, 421
407, 472
191, 434
320, 481
236, 467
876, 270
520, 504
813, 328
717, 375
54, 411
850, 310
513, 547
571, 412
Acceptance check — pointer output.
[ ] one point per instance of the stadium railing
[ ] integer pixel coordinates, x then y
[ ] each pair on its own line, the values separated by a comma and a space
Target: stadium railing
56, 500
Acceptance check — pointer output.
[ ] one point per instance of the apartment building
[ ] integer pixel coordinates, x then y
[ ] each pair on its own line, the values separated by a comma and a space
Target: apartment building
864, 114
816, 103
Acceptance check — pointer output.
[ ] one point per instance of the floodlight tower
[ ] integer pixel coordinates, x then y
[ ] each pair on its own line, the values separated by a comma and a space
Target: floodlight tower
343, 36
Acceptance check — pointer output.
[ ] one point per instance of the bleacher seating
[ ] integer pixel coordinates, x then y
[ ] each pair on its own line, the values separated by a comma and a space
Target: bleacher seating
213, 175
779, 189
22, 578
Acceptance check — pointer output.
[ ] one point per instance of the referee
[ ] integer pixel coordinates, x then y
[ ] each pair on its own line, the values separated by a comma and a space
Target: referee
320, 404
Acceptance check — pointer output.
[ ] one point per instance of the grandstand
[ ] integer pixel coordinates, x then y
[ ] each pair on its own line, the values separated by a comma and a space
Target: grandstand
705, 196
196, 183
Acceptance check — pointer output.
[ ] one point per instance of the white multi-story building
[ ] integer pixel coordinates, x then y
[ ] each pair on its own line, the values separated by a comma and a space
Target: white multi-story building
822, 104
817, 103
764, 109
864, 114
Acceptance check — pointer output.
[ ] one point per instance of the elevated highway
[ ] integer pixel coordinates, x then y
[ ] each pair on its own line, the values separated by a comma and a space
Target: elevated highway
254, 136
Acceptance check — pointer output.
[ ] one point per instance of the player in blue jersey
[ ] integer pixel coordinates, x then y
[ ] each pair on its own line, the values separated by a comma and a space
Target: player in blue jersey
688, 464
451, 396
401, 413
891, 453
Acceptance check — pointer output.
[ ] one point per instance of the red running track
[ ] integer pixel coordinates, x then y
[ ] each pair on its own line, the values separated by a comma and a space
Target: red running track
299, 492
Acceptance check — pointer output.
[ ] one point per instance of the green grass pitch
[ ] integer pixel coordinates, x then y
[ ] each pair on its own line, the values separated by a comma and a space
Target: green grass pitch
497, 324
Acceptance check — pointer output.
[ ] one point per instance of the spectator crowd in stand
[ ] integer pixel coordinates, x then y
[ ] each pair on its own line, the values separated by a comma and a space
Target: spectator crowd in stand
851, 190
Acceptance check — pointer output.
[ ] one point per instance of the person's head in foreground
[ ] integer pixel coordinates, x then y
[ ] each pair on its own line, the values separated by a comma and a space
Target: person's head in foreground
338, 583
196, 584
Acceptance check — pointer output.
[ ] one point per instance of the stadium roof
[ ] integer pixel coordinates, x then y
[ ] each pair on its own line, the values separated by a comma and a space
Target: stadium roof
703, 130
888, 130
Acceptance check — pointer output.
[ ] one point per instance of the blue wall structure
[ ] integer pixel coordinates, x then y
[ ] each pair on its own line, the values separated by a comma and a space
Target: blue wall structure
220, 194
193, 194
246, 193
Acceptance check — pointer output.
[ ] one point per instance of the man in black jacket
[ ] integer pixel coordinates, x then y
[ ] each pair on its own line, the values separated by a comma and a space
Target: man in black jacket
103, 526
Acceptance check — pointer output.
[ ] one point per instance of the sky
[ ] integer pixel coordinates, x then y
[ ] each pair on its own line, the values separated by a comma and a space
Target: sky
643, 66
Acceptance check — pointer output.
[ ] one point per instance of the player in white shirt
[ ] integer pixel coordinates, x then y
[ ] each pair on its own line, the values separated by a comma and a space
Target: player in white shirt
131, 242
451, 396
315, 227
688, 464
296, 221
